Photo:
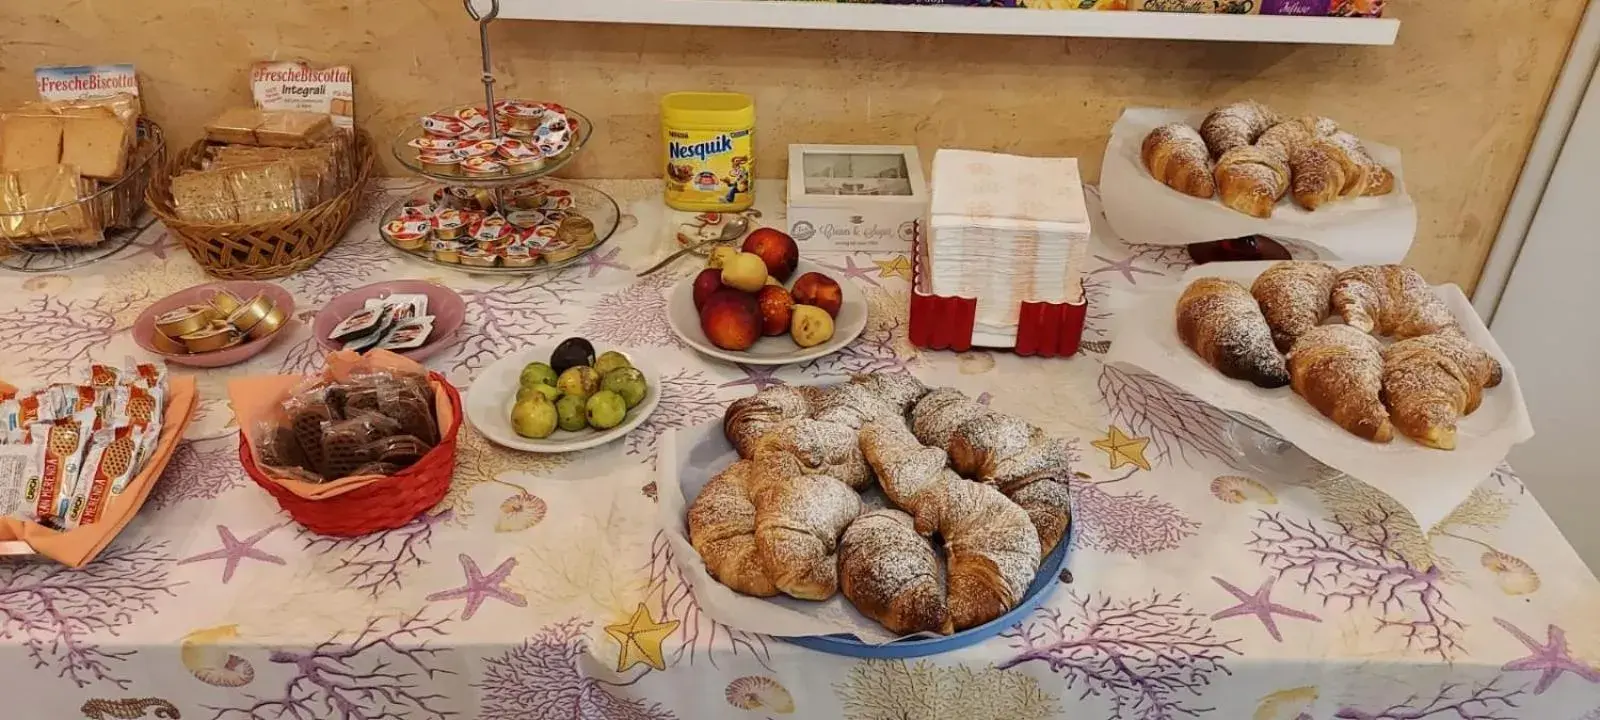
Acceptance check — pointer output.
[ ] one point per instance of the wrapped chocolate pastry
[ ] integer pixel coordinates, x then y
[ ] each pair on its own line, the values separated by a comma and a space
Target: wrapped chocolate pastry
368, 422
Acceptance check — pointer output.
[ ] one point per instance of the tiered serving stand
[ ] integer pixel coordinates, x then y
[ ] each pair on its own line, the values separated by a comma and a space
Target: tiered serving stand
578, 198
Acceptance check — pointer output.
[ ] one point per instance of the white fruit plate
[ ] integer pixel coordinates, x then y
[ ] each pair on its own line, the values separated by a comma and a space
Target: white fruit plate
494, 392
777, 349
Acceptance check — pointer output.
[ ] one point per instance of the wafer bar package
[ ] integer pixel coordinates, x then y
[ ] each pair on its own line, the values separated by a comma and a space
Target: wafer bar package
59, 446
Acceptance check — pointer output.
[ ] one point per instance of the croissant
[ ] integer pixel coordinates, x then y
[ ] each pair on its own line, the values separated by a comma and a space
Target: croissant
1251, 180
991, 547
1019, 459
1390, 300
1339, 370
1293, 296
939, 413
852, 405
1235, 126
889, 573
1367, 175
1283, 139
797, 526
722, 528
900, 390
1175, 155
1220, 322
1430, 381
747, 419
1318, 174
812, 447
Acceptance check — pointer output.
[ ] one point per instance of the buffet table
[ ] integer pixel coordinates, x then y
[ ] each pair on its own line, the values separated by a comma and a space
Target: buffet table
540, 587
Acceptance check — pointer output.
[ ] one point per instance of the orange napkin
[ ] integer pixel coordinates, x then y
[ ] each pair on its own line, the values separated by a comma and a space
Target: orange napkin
256, 399
78, 546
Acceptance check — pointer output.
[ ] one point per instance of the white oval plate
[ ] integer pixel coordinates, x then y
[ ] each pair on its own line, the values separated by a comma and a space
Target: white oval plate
778, 349
494, 392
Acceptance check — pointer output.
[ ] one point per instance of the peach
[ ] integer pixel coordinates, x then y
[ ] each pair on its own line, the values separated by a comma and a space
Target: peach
731, 319
776, 249
708, 281
810, 326
814, 288
744, 271
776, 306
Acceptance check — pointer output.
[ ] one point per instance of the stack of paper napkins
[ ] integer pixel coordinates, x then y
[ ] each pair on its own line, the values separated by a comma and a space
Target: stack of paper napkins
1006, 229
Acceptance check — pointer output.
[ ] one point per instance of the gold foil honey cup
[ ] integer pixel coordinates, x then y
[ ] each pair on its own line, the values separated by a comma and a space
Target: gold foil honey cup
185, 320
578, 230
225, 302
268, 325
251, 313
166, 345
217, 336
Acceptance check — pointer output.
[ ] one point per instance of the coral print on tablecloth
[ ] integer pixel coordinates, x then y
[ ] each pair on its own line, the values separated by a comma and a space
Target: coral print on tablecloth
1196, 586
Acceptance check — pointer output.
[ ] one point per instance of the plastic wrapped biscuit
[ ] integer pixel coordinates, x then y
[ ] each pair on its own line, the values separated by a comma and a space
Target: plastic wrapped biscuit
204, 197
265, 192
51, 214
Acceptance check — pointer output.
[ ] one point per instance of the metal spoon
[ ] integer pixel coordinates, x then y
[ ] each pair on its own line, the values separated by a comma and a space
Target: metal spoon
735, 228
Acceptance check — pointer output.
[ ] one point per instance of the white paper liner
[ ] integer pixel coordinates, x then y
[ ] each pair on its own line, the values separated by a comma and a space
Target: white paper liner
1427, 482
688, 458
1143, 210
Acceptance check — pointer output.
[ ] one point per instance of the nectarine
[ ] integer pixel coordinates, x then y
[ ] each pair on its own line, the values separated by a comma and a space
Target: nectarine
814, 288
775, 304
708, 281
731, 319
776, 249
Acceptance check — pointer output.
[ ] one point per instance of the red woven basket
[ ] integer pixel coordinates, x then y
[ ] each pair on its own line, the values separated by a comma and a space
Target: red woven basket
381, 505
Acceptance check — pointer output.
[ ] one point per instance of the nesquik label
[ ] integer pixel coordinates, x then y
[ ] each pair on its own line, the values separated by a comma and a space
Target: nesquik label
710, 167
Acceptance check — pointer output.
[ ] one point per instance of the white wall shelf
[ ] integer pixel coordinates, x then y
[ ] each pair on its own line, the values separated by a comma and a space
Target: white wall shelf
961, 20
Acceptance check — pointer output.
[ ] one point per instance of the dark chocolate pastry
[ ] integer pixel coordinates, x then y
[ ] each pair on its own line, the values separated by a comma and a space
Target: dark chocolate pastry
403, 451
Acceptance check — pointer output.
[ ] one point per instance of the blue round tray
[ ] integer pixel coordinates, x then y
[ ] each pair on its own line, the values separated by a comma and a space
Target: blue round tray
1043, 584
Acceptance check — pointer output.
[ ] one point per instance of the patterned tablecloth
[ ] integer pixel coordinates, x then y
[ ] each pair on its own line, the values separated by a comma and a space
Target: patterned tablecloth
540, 587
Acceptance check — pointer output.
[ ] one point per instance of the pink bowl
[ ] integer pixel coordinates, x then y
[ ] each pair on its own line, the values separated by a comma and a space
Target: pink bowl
145, 327
449, 311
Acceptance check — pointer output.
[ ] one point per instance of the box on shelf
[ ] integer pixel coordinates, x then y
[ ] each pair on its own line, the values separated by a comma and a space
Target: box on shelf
845, 198
1229, 7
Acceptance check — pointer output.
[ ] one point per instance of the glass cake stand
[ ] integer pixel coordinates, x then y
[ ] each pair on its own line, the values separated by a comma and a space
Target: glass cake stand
587, 201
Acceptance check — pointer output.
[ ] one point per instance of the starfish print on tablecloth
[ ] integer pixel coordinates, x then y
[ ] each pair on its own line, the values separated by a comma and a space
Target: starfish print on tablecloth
640, 638
1260, 605
234, 551
898, 266
480, 587
853, 271
1551, 659
597, 263
1123, 450
1124, 266
757, 376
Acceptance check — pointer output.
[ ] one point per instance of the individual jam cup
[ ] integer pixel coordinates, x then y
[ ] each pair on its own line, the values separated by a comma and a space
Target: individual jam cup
473, 118
478, 257
525, 218
407, 234
445, 251
519, 256
449, 224
434, 144
440, 163
482, 167
443, 126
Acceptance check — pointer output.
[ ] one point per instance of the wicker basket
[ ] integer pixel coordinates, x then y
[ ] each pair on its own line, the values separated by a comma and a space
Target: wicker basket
385, 504
259, 251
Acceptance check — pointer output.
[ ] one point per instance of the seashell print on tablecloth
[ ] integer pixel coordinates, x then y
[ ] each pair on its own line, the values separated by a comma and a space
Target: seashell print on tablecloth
758, 692
211, 663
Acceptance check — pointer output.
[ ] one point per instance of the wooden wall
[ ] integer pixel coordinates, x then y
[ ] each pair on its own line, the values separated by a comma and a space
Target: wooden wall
1461, 93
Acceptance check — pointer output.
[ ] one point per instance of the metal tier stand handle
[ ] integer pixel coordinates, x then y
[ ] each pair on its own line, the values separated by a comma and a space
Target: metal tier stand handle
484, 18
